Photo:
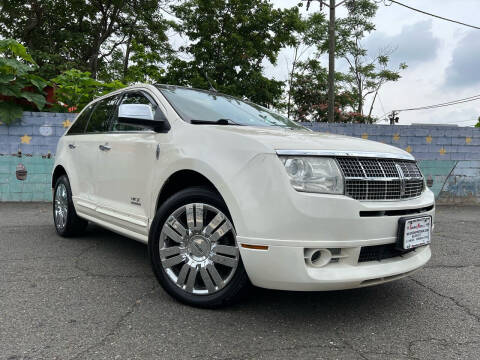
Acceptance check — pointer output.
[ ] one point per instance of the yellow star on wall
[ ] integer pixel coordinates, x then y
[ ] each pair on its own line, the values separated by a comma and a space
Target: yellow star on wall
364, 136
25, 139
443, 151
428, 139
468, 140
409, 149
396, 137
66, 123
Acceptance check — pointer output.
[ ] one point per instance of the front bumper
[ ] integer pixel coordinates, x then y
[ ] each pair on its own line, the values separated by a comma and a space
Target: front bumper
326, 222
285, 268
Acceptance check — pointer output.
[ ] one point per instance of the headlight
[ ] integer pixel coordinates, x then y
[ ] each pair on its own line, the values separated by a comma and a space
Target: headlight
314, 174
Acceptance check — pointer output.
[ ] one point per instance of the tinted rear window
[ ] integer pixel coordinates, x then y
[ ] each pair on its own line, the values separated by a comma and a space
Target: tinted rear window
99, 121
78, 126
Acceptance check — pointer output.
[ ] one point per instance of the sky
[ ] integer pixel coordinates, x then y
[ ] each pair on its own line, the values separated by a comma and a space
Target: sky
443, 59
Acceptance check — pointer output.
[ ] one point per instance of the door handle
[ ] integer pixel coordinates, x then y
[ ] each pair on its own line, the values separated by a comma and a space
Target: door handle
71, 146
104, 147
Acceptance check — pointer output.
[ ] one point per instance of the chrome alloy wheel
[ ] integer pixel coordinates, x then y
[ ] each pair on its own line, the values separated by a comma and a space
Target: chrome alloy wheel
198, 249
61, 206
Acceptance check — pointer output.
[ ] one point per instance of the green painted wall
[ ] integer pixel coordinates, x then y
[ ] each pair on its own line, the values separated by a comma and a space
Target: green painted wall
438, 171
36, 187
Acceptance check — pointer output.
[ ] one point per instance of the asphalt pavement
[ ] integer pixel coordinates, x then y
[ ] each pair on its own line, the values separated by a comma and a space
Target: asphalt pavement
95, 297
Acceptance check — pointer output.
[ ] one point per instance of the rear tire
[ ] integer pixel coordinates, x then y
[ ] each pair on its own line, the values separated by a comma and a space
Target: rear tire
193, 250
67, 223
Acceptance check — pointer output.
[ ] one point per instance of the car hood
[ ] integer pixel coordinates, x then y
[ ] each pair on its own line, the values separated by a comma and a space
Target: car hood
286, 139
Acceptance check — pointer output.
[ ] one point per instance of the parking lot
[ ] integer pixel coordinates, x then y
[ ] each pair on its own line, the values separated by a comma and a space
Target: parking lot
95, 297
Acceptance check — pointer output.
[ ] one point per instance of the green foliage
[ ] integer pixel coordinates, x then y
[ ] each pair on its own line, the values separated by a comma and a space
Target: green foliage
309, 91
316, 31
229, 41
19, 88
74, 89
478, 123
118, 42
366, 74
84, 35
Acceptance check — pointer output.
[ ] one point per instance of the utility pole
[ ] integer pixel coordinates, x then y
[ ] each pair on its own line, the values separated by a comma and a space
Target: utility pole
331, 55
331, 63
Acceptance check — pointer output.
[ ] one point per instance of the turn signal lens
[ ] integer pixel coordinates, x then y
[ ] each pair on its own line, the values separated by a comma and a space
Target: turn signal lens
256, 247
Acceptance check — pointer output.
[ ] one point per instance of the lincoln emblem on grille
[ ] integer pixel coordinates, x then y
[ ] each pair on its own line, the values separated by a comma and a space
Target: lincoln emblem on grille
402, 179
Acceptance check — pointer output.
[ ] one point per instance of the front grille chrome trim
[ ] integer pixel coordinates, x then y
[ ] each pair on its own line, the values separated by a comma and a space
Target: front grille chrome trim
379, 179
347, 153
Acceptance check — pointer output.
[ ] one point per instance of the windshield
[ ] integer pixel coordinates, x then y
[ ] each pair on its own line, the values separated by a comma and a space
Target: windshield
205, 106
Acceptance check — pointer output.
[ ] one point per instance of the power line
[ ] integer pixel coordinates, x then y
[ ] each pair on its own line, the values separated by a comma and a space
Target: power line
430, 14
381, 103
448, 103
393, 114
464, 121
438, 105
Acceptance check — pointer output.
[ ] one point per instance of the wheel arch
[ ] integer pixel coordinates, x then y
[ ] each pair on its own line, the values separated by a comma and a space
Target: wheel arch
182, 179
59, 171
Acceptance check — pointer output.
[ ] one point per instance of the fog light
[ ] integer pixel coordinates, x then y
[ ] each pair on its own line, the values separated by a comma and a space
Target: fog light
318, 257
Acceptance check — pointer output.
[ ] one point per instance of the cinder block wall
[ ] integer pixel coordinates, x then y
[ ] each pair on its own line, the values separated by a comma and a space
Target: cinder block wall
448, 155
31, 143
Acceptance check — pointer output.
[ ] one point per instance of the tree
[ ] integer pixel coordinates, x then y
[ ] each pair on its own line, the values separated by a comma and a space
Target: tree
75, 89
19, 88
229, 41
478, 123
84, 34
309, 91
366, 75
310, 94
313, 30
308, 79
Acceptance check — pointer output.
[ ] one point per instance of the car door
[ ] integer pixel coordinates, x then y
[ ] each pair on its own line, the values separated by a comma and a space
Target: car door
78, 161
91, 146
126, 169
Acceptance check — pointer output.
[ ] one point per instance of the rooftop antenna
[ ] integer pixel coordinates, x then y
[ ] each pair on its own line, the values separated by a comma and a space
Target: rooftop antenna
210, 83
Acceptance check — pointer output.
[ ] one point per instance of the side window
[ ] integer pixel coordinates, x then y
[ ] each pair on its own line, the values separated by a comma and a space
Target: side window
132, 98
101, 115
78, 126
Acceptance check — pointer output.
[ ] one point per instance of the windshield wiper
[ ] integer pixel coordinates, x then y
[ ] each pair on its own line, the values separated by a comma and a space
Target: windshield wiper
214, 122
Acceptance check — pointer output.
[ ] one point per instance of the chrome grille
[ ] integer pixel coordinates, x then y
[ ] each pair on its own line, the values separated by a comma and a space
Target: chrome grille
381, 179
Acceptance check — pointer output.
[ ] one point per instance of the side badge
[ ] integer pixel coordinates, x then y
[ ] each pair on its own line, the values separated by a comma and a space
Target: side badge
135, 201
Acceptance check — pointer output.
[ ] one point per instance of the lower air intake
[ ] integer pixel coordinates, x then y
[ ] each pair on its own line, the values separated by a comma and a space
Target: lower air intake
380, 252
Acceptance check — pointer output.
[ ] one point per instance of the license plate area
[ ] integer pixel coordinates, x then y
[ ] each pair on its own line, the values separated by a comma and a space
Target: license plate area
414, 231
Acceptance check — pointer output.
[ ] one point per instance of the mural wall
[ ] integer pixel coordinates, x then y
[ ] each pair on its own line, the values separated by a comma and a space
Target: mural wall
449, 156
30, 146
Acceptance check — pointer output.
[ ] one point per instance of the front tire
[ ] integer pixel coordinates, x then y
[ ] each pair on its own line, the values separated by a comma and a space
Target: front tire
193, 250
67, 222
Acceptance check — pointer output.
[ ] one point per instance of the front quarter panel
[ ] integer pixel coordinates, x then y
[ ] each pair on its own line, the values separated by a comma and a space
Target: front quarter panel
222, 157
62, 159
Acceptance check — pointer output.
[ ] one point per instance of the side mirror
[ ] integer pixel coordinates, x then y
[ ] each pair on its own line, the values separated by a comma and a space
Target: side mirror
142, 115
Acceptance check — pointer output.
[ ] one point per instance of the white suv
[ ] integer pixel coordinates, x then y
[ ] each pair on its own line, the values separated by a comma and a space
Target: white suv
227, 193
